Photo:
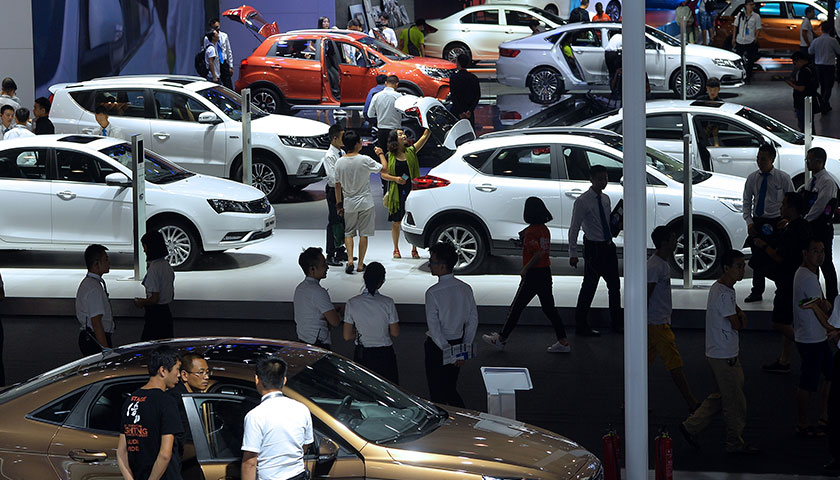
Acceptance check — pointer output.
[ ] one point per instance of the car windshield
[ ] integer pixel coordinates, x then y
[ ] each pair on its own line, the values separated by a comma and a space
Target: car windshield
773, 126
371, 407
548, 15
158, 170
662, 36
229, 102
383, 48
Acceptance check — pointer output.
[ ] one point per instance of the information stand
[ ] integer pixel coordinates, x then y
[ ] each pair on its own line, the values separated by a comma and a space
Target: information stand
501, 384
138, 203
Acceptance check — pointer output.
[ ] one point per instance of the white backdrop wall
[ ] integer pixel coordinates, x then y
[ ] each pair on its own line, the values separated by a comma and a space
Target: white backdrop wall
16, 49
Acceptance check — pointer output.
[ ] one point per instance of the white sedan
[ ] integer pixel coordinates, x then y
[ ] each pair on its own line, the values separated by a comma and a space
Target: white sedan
477, 31
65, 192
539, 63
732, 134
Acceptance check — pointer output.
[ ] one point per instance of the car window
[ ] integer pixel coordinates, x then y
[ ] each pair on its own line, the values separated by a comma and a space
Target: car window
352, 55
223, 422
440, 119
520, 19
482, 17
664, 127
798, 9
579, 160
478, 159
105, 412
720, 132
58, 410
532, 161
73, 166
158, 170
770, 10
122, 102
297, 49
177, 106
23, 163
585, 37
84, 98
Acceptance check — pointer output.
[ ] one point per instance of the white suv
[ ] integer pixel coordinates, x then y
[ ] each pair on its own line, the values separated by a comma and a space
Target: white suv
197, 124
64, 192
476, 197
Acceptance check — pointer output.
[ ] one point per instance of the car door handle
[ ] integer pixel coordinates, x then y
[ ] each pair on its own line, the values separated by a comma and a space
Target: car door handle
465, 30
87, 456
791, 27
66, 195
485, 188
509, 31
724, 158
161, 135
278, 67
346, 74
574, 193
89, 131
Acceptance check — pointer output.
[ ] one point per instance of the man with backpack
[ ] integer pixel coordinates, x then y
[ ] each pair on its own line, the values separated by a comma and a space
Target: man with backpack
413, 40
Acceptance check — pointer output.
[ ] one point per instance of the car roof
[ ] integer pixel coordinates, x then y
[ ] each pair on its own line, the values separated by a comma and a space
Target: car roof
83, 142
533, 135
332, 33
693, 105
189, 82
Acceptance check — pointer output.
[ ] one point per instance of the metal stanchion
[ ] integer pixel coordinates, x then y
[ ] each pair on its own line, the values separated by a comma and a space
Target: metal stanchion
688, 222
247, 173
809, 126
138, 203
682, 58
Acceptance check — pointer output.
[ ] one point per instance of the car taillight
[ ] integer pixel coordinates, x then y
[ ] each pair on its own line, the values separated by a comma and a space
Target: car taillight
243, 64
718, 22
52, 95
430, 29
428, 181
508, 52
510, 116
415, 112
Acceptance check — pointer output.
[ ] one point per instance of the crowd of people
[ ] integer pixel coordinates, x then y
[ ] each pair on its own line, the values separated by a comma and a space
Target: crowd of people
16, 121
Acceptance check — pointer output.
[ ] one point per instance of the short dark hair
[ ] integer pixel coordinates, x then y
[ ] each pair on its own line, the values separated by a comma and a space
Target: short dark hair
210, 34
660, 235
93, 253
155, 245
9, 84
446, 253
44, 103
384, 15
271, 371
584, 2
798, 55
420, 22
373, 276
596, 169
809, 9
826, 27
187, 361
797, 201
353, 23
392, 79
335, 130
713, 82
463, 60
212, 21
162, 356
309, 259
768, 148
729, 257
22, 115
100, 109
6, 107
818, 153
807, 241
380, 79
535, 212
350, 139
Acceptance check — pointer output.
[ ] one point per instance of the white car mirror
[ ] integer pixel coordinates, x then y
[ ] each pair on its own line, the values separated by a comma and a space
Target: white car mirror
117, 179
208, 118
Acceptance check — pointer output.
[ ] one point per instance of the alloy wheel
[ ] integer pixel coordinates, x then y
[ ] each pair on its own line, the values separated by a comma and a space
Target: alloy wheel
705, 252
177, 243
263, 178
464, 241
695, 83
265, 101
452, 56
544, 85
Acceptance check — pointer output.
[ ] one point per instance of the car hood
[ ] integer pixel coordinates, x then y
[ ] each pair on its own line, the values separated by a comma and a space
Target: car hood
431, 62
519, 448
720, 185
211, 187
708, 52
289, 126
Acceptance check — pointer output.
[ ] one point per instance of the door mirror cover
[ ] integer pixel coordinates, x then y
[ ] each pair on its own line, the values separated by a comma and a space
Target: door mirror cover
117, 179
208, 118
327, 450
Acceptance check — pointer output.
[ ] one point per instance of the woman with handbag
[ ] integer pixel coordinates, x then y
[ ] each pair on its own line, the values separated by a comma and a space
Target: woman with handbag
402, 162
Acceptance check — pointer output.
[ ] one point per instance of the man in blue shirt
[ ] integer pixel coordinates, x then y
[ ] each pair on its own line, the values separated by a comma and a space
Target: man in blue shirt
380, 85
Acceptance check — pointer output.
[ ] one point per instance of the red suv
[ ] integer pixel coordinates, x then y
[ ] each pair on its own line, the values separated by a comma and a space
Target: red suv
335, 67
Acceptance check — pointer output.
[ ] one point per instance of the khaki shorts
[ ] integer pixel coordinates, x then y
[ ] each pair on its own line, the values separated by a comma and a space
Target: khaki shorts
661, 342
361, 222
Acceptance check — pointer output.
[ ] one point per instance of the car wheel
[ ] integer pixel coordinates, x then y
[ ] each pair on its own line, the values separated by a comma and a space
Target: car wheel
708, 250
181, 241
552, 8
546, 85
696, 83
613, 10
267, 176
406, 89
468, 242
452, 51
269, 100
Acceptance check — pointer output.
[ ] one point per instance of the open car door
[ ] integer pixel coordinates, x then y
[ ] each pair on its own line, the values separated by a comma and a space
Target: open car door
252, 19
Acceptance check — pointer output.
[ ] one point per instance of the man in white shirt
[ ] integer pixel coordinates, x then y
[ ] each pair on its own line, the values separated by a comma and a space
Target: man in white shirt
277, 431
21, 128
745, 41
383, 32
810, 325
763, 193
820, 193
452, 318
211, 56
824, 50
661, 339
806, 30
314, 311
8, 88
335, 223
724, 319
591, 211
224, 52
7, 122
106, 128
612, 54
383, 110
93, 307
354, 200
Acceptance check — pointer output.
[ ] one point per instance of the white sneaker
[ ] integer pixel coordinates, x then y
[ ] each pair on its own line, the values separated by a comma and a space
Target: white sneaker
559, 348
494, 340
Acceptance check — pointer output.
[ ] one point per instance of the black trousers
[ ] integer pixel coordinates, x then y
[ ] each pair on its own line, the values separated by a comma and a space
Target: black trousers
381, 360
825, 232
88, 344
749, 52
158, 323
442, 379
758, 274
225, 76
826, 76
537, 282
335, 224
834, 410
599, 261
613, 61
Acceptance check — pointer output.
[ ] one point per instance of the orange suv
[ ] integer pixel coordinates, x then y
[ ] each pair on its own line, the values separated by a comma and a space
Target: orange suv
780, 22
334, 67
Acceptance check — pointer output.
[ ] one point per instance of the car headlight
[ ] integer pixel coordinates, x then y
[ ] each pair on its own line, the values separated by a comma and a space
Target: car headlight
436, 72
256, 206
733, 203
722, 62
320, 142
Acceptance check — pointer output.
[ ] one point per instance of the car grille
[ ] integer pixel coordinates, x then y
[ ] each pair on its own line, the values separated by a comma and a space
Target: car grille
448, 73
739, 63
259, 206
322, 141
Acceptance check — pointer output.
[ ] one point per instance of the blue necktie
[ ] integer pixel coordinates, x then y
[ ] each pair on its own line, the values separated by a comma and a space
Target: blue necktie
762, 194
813, 182
219, 53
604, 224
104, 132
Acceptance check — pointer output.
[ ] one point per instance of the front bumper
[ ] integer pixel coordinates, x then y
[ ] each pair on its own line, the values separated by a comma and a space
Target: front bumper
235, 230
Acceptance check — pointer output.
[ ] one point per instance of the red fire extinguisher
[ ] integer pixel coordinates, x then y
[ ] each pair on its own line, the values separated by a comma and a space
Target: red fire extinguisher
612, 455
664, 457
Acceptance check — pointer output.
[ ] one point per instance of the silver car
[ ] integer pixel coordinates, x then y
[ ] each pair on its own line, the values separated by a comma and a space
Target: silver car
478, 31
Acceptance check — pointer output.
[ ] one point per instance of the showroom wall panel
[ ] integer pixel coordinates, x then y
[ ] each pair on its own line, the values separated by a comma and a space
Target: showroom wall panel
16, 57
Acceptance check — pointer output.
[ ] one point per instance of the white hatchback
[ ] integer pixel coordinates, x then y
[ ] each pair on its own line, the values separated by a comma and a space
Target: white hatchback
65, 192
197, 124
476, 197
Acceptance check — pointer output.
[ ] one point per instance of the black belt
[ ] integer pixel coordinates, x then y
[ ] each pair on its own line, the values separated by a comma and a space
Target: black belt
597, 242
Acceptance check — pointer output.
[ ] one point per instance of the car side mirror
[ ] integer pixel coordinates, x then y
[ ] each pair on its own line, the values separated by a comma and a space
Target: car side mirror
209, 118
376, 62
327, 451
117, 179
822, 17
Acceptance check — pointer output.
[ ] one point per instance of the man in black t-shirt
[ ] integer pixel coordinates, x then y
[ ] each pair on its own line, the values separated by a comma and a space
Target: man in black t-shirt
580, 14
804, 82
465, 91
150, 423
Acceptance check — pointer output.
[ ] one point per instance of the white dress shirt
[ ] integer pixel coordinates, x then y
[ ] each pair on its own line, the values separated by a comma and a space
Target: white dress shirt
277, 430
806, 327
585, 213
92, 300
160, 278
721, 338
614, 44
353, 173
18, 131
311, 301
330, 159
226, 52
778, 183
382, 109
7, 100
372, 315
450, 311
826, 190
825, 50
747, 28
111, 131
